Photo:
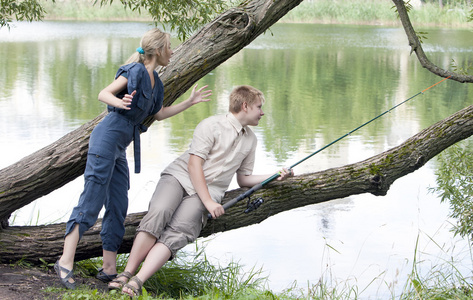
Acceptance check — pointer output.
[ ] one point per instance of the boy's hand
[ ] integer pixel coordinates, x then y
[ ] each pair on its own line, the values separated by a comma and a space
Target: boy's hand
215, 209
285, 173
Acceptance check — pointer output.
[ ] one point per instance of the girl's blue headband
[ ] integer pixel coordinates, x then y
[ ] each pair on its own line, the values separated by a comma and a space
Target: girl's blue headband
140, 50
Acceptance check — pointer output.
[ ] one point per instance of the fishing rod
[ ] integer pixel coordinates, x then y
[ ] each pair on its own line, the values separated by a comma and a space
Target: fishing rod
255, 204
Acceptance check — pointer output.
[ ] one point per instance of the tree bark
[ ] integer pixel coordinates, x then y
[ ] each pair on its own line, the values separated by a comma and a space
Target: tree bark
374, 175
61, 162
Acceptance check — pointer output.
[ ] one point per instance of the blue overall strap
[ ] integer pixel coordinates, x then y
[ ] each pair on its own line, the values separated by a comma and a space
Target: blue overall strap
137, 145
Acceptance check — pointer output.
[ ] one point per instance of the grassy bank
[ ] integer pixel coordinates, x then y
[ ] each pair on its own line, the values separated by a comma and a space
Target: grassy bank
85, 10
193, 277
376, 12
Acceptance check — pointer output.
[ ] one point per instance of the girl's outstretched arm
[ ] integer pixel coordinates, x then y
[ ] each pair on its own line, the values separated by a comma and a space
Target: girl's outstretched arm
201, 95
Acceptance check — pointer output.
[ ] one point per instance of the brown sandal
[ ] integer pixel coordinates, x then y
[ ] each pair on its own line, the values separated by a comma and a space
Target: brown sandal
136, 291
125, 274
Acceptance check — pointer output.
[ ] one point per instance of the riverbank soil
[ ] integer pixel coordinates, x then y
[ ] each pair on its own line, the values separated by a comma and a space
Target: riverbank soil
17, 283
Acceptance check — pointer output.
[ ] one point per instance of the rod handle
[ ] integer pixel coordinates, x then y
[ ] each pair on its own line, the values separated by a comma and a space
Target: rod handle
240, 197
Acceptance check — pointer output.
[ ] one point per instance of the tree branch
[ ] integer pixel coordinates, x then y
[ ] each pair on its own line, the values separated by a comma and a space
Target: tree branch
416, 47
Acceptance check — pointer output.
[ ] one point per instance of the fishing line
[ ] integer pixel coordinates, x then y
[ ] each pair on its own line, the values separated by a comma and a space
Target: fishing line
255, 204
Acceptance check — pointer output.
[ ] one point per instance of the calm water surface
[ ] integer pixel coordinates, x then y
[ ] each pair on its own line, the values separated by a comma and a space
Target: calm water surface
320, 81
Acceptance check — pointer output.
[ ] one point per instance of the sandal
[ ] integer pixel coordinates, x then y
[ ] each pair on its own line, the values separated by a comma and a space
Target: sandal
136, 291
125, 274
104, 277
64, 280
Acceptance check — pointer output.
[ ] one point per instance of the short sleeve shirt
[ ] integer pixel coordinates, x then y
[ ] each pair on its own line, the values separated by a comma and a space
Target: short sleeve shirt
226, 148
148, 100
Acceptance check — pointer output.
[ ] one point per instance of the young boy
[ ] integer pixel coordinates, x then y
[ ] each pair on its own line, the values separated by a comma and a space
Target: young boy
193, 186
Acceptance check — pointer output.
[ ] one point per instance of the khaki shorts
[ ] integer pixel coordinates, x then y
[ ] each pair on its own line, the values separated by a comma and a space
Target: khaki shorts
174, 218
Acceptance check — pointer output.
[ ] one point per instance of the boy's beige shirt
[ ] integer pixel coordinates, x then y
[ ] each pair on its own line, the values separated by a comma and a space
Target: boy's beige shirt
225, 146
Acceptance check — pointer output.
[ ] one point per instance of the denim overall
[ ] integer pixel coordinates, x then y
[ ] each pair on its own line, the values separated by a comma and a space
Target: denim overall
106, 173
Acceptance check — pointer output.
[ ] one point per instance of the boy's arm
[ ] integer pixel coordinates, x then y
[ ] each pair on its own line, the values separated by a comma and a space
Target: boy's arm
252, 180
196, 173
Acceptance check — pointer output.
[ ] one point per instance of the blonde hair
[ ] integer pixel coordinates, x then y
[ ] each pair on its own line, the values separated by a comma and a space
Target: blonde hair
151, 41
244, 93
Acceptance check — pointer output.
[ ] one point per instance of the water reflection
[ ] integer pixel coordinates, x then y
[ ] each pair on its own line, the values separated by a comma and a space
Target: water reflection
320, 81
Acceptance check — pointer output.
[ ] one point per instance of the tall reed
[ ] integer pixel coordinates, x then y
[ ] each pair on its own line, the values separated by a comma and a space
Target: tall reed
376, 12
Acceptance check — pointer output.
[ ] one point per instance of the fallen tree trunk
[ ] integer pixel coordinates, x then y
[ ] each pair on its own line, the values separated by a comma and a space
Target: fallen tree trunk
61, 162
374, 175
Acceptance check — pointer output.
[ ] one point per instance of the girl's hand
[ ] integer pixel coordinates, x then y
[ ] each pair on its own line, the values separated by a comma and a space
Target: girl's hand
201, 95
125, 102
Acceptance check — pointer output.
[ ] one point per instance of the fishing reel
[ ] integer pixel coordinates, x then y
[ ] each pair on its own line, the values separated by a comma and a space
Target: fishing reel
252, 205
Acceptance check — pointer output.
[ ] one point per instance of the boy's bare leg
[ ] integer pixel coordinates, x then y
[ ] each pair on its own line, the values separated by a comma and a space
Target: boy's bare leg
156, 258
141, 247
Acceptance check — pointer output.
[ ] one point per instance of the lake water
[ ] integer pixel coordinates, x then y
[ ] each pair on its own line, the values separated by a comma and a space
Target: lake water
320, 82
